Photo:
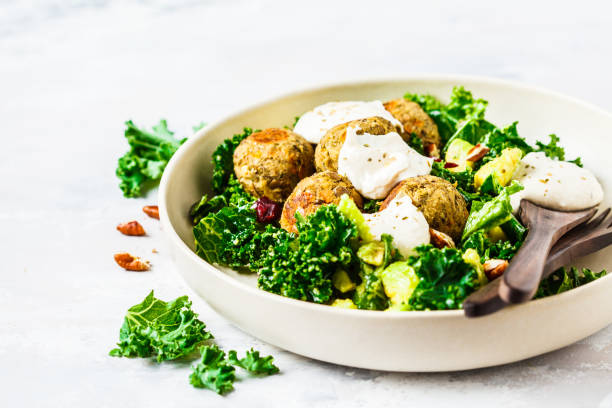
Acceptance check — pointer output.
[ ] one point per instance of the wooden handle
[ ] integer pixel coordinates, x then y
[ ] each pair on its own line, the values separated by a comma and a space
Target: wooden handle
520, 281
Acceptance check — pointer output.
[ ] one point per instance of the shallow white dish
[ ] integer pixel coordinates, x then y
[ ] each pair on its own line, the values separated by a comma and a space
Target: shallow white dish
398, 341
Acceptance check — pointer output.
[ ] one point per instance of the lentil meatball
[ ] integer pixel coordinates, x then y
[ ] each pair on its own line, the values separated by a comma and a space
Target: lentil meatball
442, 205
271, 162
415, 120
311, 193
328, 149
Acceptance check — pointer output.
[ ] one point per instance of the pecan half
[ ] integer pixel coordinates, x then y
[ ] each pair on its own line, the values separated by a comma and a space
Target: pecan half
152, 211
494, 268
132, 228
431, 150
477, 152
131, 263
440, 239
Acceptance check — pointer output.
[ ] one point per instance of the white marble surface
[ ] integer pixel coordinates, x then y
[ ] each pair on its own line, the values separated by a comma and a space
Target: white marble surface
72, 72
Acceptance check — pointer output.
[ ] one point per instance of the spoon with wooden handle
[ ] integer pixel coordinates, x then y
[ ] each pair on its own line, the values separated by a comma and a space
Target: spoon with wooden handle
520, 281
582, 240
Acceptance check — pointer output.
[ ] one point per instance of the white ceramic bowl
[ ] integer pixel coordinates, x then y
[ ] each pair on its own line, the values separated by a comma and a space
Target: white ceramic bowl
398, 341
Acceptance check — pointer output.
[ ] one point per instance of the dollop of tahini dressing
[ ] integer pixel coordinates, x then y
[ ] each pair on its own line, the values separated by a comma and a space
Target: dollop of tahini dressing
313, 124
376, 163
554, 184
403, 221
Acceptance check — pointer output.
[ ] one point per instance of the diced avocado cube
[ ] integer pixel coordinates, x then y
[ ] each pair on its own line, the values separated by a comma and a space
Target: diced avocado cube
501, 168
344, 304
456, 153
349, 209
342, 281
372, 253
399, 281
471, 257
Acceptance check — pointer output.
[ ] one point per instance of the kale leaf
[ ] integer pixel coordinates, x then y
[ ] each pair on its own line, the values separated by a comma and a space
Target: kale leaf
147, 158
445, 279
233, 194
491, 250
462, 107
168, 330
462, 180
223, 160
213, 371
301, 267
253, 363
416, 143
371, 206
565, 279
232, 237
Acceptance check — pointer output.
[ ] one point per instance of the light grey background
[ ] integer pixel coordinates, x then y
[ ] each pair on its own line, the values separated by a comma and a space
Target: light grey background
72, 72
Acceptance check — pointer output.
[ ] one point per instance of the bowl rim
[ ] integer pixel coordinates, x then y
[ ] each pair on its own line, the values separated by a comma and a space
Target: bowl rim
175, 239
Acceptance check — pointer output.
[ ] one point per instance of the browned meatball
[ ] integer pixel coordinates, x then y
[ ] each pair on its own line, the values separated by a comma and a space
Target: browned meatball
442, 205
415, 120
311, 193
271, 162
328, 149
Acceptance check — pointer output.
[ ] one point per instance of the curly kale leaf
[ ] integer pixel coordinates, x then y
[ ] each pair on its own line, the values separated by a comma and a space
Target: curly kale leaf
168, 330
253, 363
491, 250
223, 160
199, 126
445, 279
565, 279
147, 158
462, 107
301, 267
462, 180
232, 237
213, 371
416, 143
233, 195
371, 206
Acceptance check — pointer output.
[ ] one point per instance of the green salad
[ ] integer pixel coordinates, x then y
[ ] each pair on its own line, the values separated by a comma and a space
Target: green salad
310, 230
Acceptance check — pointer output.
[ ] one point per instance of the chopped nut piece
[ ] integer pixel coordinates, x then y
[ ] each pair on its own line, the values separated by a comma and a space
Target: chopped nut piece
132, 228
440, 239
152, 211
494, 268
476, 153
431, 150
131, 263
155, 251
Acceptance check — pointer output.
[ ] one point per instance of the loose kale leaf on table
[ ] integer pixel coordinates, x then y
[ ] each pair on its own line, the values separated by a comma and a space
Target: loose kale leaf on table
253, 363
213, 371
168, 330
147, 158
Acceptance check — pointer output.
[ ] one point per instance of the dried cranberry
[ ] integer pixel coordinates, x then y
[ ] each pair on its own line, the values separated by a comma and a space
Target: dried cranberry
267, 210
450, 165
437, 159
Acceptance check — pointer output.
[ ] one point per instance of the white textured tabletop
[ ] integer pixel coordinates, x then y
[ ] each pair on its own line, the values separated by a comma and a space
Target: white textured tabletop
72, 72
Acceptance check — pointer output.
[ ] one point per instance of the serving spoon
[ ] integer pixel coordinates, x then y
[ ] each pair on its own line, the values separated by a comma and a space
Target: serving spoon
584, 239
545, 226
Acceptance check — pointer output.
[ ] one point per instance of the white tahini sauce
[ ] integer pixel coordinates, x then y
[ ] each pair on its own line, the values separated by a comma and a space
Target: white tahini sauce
313, 124
555, 184
376, 163
403, 221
